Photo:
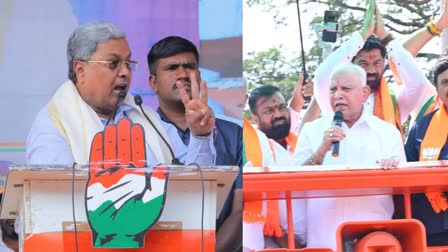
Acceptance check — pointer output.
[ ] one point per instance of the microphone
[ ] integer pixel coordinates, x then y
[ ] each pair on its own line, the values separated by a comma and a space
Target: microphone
121, 96
337, 121
138, 101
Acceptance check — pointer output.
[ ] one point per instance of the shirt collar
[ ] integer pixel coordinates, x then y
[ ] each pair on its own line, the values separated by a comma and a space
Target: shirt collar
121, 113
364, 119
163, 116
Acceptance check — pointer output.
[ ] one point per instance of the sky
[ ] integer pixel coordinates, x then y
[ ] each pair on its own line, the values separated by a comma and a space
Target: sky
260, 32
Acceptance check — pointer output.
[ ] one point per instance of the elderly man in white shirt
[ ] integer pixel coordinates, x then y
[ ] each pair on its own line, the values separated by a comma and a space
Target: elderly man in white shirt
364, 139
100, 71
253, 234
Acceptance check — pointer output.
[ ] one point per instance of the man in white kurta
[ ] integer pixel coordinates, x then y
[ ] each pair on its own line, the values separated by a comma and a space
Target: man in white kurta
273, 155
270, 112
364, 140
253, 238
63, 131
367, 48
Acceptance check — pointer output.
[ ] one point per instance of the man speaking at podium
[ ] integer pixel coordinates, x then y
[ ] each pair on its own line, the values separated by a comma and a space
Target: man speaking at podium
364, 140
100, 72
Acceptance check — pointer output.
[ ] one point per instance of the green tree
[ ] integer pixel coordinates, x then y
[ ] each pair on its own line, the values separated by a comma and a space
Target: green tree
272, 67
401, 16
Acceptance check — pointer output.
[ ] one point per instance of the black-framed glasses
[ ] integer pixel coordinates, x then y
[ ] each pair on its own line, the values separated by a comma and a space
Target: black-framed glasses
116, 64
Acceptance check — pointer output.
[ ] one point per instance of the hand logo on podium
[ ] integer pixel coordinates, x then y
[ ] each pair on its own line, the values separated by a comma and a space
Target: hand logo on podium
123, 201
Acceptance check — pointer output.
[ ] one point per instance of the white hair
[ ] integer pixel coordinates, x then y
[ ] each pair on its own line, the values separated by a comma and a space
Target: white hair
83, 42
351, 68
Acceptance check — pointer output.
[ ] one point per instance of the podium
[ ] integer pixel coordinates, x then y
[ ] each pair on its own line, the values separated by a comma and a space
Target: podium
336, 181
40, 199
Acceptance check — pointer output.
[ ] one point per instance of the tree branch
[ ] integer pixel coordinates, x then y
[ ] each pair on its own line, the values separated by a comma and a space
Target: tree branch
344, 5
401, 22
414, 2
405, 32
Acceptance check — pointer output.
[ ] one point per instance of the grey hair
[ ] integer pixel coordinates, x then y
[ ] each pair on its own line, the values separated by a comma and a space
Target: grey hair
84, 40
351, 68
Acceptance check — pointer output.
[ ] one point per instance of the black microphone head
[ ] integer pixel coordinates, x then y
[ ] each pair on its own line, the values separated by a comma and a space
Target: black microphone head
122, 94
338, 118
138, 100
337, 121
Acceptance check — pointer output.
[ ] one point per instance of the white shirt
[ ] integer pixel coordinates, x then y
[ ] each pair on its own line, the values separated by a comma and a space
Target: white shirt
46, 145
368, 140
274, 155
295, 118
284, 157
253, 238
413, 78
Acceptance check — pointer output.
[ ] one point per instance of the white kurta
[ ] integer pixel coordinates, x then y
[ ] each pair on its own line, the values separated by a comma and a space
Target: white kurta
284, 157
253, 238
274, 155
368, 140
414, 80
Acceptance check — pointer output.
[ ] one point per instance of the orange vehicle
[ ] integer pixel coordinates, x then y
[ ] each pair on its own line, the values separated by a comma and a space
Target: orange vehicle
386, 236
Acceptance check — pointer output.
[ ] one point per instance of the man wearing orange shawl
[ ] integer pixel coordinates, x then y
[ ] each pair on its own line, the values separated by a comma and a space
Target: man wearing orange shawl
427, 141
256, 153
368, 49
271, 114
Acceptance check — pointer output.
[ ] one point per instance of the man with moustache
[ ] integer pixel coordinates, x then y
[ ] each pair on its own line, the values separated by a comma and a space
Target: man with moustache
174, 63
368, 49
364, 140
99, 69
92, 118
427, 141
272, 116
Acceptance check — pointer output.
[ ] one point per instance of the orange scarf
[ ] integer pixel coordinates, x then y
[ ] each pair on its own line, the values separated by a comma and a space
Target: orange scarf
433, 142
272, 226
252, 144
432, 104
252, 212
291, 141
385, 107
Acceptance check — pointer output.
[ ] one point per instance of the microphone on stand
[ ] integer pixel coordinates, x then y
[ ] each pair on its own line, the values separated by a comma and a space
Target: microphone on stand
121, 96
337, 121
138, 101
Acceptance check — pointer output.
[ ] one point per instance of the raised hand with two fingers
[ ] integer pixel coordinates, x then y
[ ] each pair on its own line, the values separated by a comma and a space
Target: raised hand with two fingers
199, 116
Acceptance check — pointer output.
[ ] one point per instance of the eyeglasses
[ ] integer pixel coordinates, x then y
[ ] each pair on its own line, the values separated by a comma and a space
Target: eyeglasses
115, 64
